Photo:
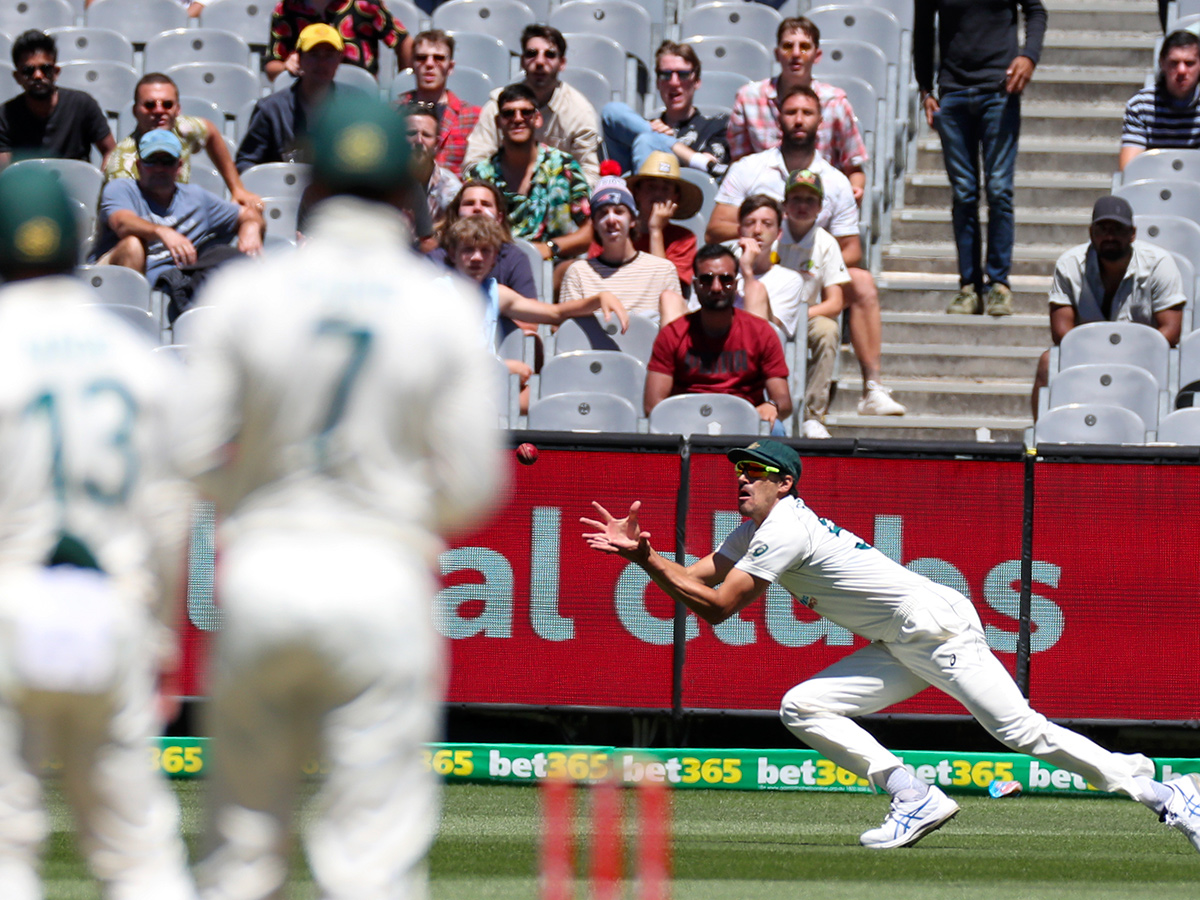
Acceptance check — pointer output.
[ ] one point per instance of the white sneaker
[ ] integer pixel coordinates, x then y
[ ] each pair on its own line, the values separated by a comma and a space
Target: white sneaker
813, 428
910, 820
1183, 811
878, 402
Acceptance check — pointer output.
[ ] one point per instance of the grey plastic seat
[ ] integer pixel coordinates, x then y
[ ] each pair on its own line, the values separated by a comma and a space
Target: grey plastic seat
860, 59
409, 15
627, 23
1163, 165
1171, 232
860, 22
537, 264
228, 85
1089, 423
471, 85
599, 53
83, 43
248, 19
506, 19
752, 20
732, 53
110, 83
705, 414
198, 45
589, 411
606, 371
277, 179
594, 86
1180, 427
1170, 198
708, 187
718, 89
485, 52
117, 285
184, 328
81, 180
139, 317
1130, 343
6, 46
17, 16
1111, 384
138, 20
206, 176
593, 333
1189, 364
357, 77
281, 215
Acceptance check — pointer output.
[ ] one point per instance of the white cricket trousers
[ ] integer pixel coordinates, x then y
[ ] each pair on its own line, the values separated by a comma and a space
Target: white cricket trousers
941, 644
327, 651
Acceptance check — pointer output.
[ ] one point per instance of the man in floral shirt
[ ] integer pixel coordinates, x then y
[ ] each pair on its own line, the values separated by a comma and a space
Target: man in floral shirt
433, 61
754, 121
361, 23
545, 188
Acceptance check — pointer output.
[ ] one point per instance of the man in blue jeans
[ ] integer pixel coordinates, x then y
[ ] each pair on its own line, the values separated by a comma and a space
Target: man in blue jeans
977, 112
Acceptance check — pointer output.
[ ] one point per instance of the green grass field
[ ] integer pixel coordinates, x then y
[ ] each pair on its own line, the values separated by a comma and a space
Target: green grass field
794, 846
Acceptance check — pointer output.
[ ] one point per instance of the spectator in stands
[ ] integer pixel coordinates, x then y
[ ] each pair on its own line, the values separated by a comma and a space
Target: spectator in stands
45, 120
153, 223
638, 278
697, 140
1167, 114
441, 186
1113, 278
544, 187
977, 113
720, 349
433, 61
361, 23
767, 173
567, 122
156, 106
279, 123
754, 122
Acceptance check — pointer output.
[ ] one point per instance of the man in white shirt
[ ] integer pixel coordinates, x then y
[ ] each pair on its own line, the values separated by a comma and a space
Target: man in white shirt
767, 173
921, 633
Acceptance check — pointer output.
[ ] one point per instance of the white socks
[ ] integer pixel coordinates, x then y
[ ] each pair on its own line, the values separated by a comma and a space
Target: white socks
905, 786
1151, 793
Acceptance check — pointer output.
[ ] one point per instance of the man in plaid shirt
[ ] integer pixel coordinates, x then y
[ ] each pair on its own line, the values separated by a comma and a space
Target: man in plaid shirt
433, 61
754, 122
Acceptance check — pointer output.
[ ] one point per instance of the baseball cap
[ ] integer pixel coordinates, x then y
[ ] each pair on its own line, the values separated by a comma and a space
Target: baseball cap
804, 178
609, 190
319, 33
663, 165
38, 229
1113, 209
359, 142
769, 453
160, 140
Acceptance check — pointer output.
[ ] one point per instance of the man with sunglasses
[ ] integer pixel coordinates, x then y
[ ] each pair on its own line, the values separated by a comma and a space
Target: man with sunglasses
696, 139
156, 106
45, 120
719, 349
568, 121
921, 632
433, 61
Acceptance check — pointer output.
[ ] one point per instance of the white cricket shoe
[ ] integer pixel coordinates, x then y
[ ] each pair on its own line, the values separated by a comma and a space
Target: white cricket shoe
813, 428
910, 820
1183, 810
878, 402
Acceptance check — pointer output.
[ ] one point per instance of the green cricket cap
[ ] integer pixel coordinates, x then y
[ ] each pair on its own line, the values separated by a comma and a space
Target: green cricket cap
769, 453
358, 142
38, 229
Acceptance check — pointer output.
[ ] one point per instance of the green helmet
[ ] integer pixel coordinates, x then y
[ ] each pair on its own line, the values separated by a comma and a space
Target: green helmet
38, 229
359, 143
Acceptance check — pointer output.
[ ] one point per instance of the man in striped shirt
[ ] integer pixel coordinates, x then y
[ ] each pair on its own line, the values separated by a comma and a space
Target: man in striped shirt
1168, 114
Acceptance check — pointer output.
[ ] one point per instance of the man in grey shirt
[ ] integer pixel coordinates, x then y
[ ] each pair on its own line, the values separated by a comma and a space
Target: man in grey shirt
1113, 278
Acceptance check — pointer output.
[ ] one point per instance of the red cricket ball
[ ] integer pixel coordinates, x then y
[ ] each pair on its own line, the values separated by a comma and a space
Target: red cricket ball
527, 454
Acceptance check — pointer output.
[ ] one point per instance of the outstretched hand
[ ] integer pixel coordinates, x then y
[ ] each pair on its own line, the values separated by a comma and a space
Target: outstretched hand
613, 535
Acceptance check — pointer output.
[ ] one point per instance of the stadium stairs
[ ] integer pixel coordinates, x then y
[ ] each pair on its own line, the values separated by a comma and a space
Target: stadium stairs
969, 377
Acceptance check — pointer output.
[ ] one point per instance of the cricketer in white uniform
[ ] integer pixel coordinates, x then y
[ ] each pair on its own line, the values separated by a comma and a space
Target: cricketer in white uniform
922, 634
91, 544
344, 422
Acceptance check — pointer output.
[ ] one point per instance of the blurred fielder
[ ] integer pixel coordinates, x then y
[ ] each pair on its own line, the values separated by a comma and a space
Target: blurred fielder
922, 634
91, 541
343, 424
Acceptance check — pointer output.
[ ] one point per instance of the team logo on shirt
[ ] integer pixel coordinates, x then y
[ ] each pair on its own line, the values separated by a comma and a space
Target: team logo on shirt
759, 550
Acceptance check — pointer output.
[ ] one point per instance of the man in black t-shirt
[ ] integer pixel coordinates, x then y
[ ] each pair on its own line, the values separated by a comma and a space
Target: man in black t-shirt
697, 140
46, 120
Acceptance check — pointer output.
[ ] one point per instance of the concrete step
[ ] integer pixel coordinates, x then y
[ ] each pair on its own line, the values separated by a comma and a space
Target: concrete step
935, 328
948, 397
1064, 227
1072, 120
1054, 190
939, 257
980, 361
911, 292
1086, 156
1073, 84
1103, 15
1096, 48
927, 428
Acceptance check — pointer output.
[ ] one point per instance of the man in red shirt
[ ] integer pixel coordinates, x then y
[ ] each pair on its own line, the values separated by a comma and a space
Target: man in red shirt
719, 349
433, 61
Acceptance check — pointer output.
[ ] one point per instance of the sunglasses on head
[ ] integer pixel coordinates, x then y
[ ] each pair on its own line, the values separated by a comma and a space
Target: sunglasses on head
45, 69
753, 469
151, 105
681, 74
708, 278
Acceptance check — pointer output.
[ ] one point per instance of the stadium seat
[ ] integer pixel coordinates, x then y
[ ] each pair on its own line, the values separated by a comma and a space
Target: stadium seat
1171, 232
1162, 198
593, 333
592, 84
727, 19
583, 411
470, 85
1163, 165
600, 54
624, 21
1089, 423
718, 89
512, 342
1180, 427
505, 19
1112, 384
81, 179
117, 285
138, 20
1189, 370
538, 265
706, 414
409, 15
17, 16
244, 114
281, 215
248, 19
1130, 343
225, 84
357, 77
82, 44
110, 83
6, 47
194, 45
732, 53
277, 179
862, 22
183, 330
199, 106
139, 317
607, 371
205, 176
708, 187
508, 394
485, 52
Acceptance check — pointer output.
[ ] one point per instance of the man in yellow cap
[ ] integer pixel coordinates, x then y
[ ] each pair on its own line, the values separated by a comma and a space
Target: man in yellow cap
361, 23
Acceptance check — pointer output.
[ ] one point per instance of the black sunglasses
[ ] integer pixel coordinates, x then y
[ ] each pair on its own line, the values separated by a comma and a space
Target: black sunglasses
709, 277
45, 69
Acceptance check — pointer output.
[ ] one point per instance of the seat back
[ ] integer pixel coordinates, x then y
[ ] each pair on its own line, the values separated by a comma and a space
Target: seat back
248, 19
537, 265
198, 45
506, 19
606, 371
18, 16
184, 327
81, 180
1089, 423
600, 54
358, 78
704, 414
1171, 232
487, 53
205, 176
708, 187
1163, 165
583, 411
1111, 384
751, 20
592, 84
138, 20
117, 285
225, 84
81, 44
860, 22
732, 53
627, 23
1171, 198
201, 106
139, 317
281, 215
1116, 342
471, 85
593, 333
277, 179
110, 83
718, 90
1180, 427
